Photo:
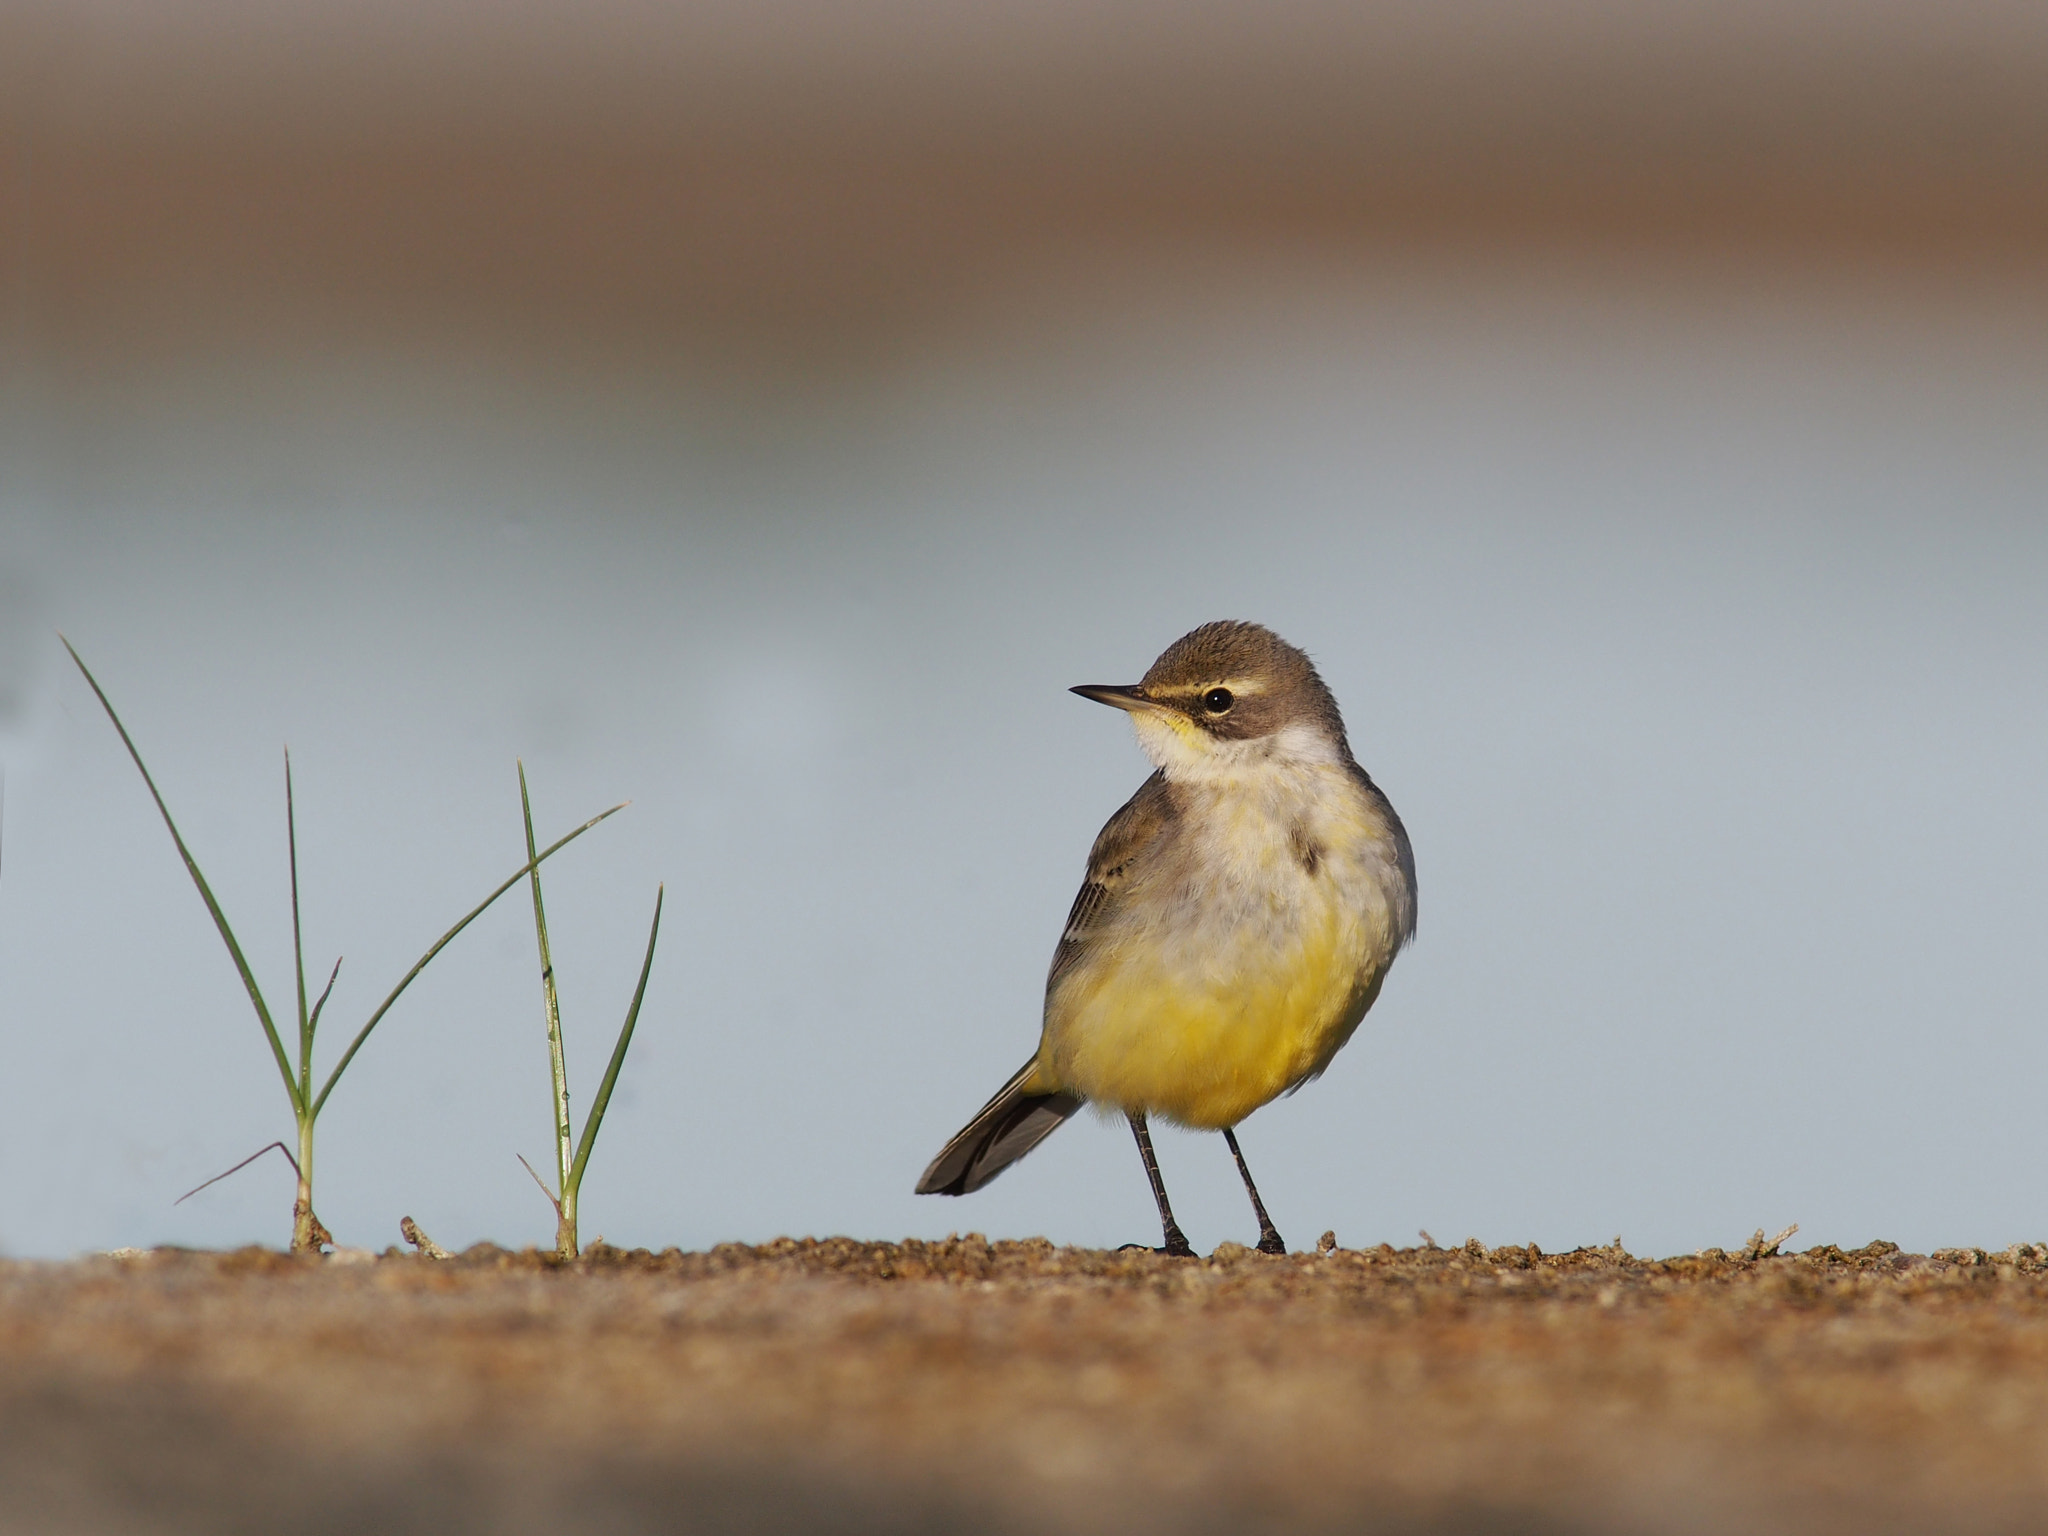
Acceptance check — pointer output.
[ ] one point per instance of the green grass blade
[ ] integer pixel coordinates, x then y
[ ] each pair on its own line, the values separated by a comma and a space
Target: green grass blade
291, 838
442, 943
313, 1020
220, 921
611, 1072
558, 1065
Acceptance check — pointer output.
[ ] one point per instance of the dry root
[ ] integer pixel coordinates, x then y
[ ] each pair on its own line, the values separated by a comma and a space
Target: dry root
1760, 1247
428, 1248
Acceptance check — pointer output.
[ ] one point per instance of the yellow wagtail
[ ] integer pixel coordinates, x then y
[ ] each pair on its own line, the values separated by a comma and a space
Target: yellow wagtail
1239, 915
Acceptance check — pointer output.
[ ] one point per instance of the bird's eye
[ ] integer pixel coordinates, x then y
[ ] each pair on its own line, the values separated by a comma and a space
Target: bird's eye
1217, 701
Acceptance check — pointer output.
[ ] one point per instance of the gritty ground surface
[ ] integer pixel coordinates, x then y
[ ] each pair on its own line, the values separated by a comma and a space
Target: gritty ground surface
1015, 1387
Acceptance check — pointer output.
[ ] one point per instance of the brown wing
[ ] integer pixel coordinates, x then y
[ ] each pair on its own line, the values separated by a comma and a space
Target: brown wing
1122, 841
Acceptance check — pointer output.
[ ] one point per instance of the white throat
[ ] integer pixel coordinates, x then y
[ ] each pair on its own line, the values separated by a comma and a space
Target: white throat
1189, 755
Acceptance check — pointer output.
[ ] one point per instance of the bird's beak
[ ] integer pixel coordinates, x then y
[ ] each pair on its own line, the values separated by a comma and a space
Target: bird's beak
1126, 697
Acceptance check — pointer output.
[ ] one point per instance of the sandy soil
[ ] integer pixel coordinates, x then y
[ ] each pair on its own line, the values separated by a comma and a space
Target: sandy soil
1015, 1387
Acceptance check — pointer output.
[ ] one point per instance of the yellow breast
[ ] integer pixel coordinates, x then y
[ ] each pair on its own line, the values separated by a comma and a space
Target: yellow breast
1233, 971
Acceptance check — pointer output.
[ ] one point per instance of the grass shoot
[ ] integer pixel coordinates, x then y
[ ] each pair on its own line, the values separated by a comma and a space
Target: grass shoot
308, 1234
571, 1157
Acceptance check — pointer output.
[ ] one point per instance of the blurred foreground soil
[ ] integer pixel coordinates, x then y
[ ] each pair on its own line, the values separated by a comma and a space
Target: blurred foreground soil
1015, 1387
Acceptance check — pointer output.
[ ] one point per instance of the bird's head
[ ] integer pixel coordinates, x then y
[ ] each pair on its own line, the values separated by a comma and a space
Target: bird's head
1228, 696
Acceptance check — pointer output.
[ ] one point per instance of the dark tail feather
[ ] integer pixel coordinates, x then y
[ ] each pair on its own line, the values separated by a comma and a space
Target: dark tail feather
1009, 1125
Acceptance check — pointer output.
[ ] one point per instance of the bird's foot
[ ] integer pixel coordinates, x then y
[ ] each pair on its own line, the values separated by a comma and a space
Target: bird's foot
1177, 1247
1272, 1242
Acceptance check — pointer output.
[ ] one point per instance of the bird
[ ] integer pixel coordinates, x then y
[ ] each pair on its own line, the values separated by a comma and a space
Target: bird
1238, 918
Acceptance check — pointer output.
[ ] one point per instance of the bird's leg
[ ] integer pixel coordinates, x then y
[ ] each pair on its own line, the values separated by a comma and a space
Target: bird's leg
1270, 1240
1176, 1241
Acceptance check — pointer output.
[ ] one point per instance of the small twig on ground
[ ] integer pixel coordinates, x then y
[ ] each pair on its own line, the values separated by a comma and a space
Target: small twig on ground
275, 1146
1424, 1235
1760, 1247
428, 1248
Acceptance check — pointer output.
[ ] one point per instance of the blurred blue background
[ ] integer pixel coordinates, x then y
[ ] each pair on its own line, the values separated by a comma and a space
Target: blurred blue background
765, 412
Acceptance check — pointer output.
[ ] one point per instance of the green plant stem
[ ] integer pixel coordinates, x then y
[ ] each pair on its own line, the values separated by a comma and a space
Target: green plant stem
567, 1245
569, 1167
558, 1065
291, 834
308, 1233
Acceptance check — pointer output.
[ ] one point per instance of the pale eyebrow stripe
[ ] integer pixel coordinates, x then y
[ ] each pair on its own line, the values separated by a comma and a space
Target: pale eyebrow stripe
1242, 686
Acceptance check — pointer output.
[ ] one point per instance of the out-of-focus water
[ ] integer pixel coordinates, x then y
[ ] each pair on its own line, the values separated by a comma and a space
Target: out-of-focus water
1691, 614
